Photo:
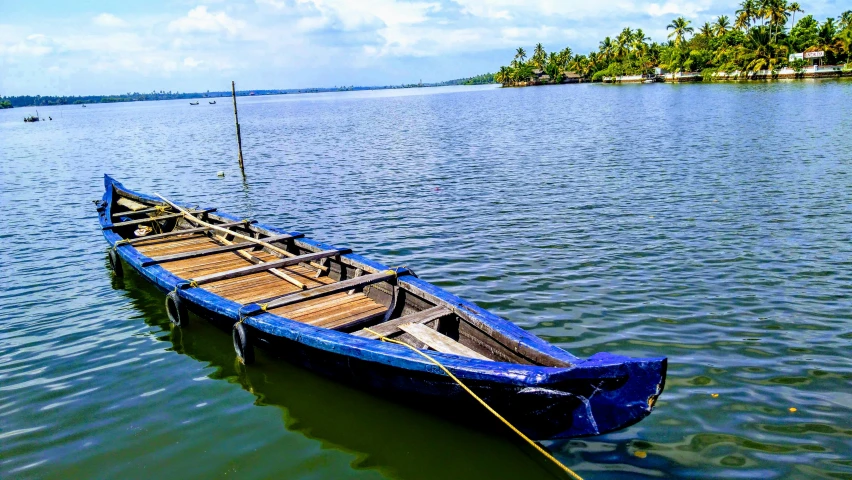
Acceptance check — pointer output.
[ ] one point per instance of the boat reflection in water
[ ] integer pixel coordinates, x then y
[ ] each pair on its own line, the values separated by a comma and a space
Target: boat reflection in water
394, 439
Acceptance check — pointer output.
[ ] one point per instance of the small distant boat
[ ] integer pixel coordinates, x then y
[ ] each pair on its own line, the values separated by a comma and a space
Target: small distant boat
31, 118
196, 103
212, 103
650, 80
325, 308
84, 105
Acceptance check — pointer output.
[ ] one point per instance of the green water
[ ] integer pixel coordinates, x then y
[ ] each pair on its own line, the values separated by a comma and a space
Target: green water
707, 223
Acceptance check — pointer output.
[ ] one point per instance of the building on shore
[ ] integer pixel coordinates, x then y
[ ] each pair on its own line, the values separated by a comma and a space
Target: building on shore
812, 71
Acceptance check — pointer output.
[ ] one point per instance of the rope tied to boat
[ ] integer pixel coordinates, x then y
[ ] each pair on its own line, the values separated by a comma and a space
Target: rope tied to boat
538, 447
121, 242
241, 315
161, 209
405, 269
189, 284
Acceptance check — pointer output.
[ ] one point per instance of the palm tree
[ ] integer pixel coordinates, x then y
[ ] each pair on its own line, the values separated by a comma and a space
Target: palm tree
605, 48
722, 25
747, 12
504, 76
706, 30
844, 41
564, 56
845, 20
621, 48
778, 13
763, 10
640, 47
793, 8
680, 27
827, 31
539, 55
520, 54
759, 53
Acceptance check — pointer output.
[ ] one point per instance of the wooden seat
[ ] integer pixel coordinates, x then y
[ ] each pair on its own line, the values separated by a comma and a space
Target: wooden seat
438, 341
391, 328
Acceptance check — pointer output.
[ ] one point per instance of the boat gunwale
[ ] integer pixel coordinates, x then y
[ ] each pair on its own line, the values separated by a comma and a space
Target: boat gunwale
337, 342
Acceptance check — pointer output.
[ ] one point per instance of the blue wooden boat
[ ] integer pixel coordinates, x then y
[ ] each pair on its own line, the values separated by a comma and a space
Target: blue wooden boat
324, 308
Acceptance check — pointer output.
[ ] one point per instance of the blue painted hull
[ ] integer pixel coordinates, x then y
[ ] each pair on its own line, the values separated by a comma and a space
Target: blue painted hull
589, 397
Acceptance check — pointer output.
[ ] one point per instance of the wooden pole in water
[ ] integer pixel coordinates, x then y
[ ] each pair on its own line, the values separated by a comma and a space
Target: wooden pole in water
237, 121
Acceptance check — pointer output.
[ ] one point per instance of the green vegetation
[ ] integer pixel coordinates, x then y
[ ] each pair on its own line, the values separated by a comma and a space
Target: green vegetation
483, 79
757, 39
39, 100
5, 104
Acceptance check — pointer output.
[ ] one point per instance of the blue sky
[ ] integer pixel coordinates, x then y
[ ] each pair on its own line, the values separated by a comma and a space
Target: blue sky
99, 47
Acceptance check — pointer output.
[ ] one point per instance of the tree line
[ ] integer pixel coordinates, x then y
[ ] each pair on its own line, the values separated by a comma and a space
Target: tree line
755, 38
42, 100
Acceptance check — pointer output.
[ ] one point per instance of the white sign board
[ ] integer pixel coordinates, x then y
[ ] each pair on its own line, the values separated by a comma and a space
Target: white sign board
814, 54
797, 56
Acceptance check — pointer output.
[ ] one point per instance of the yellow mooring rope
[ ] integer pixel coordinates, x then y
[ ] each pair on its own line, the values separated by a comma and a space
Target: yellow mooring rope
487, 407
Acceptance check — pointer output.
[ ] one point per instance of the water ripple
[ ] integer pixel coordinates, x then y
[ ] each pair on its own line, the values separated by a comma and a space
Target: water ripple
706, 223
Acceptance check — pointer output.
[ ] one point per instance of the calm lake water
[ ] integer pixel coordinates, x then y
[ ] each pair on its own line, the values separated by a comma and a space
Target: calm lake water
707, 223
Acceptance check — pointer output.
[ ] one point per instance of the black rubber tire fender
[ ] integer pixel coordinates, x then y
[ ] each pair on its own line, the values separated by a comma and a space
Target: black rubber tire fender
115, 263
242, 344
176, 309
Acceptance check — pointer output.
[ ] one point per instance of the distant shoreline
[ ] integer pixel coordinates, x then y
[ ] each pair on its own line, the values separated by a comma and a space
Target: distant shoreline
58, 100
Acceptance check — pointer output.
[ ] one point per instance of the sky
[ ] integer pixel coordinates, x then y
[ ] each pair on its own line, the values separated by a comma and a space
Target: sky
90, 47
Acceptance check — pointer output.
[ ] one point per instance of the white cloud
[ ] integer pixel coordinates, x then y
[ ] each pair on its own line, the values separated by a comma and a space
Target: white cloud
688, 9
108, 20
200, 20
35, 45
299, 43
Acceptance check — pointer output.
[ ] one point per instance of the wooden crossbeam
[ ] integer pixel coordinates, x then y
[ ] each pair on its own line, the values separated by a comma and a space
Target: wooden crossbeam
438, 341
390, 328
155, 219
213, 251
331, 289
262, 267
175, 233
272, 248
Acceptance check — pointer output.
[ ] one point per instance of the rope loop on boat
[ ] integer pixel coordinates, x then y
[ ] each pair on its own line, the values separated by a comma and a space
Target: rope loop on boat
538, 447
263, 306
161, 209
121, 242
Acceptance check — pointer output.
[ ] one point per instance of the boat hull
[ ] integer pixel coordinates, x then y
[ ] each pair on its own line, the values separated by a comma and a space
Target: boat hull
589, 396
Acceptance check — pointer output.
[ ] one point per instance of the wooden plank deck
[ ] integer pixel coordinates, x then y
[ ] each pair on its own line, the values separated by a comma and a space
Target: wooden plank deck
331, 311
